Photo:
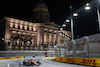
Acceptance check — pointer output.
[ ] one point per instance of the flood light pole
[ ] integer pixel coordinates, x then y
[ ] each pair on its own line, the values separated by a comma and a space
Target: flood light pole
98, 15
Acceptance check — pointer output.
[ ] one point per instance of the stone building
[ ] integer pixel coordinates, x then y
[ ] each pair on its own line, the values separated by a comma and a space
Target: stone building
37, 34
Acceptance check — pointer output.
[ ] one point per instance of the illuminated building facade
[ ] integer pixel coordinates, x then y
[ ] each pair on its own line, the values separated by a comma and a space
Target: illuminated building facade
37, 34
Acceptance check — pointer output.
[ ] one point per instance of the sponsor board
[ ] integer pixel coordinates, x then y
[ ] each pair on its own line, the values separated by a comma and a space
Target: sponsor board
82, 61
11, 57
28, 57
49, 58
50, 54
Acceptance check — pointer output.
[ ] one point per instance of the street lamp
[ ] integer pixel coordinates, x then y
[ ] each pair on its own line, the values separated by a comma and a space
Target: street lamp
98, 15
72, 32
67, 20
88, 8
64, 25
75, 14
61, 28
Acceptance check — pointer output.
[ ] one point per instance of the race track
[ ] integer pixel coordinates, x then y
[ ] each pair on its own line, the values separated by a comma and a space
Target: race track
45, 63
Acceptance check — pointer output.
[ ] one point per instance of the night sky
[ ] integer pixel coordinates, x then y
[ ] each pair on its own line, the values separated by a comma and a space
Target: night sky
85, 24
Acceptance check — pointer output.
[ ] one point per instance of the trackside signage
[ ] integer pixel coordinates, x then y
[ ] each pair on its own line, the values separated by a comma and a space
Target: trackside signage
11, 57
82, 61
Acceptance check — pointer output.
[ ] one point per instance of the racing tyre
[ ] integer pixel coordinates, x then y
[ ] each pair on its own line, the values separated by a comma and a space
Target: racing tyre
19, 63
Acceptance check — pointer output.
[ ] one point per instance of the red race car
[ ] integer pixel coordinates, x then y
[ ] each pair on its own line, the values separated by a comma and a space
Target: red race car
30, 62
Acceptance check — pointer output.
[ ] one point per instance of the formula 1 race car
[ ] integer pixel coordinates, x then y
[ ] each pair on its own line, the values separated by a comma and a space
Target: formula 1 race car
30, 62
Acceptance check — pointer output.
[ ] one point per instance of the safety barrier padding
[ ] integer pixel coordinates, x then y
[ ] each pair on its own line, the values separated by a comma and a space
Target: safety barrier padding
49, 58
11, 57
81, 61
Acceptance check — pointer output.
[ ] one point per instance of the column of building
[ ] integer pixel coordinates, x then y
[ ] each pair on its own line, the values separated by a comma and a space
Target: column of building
35, 41
56, 38
52, 37
7, 35
40, 36
35, 36
47, 36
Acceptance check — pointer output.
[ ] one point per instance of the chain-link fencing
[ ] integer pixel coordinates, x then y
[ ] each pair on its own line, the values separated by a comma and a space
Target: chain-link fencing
85, 47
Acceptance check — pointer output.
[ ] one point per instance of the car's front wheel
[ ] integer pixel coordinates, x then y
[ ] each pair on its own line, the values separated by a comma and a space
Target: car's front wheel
19, 63
38, 64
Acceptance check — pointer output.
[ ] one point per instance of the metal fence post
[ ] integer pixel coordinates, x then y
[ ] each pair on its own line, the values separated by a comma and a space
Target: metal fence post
65, 50
74, 48
87, 39
59, 43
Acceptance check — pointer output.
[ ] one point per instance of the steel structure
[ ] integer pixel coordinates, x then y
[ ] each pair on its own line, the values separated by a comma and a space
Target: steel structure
86, 47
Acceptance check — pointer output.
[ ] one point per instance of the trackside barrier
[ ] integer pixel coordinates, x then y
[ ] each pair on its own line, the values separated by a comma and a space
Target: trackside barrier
50, 54
11, 57
49, 58
24, 53
82, 61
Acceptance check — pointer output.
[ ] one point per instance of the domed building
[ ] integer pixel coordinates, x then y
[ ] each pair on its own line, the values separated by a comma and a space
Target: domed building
37, 34
41, 13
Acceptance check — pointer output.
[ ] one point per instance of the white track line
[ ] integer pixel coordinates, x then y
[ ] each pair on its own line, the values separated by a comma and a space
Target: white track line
9, 64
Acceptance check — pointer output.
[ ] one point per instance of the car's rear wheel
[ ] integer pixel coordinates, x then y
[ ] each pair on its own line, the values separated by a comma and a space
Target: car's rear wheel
32, 63
23, 63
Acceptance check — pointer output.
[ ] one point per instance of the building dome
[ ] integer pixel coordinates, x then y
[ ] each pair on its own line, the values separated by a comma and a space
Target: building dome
40, 5
41, 12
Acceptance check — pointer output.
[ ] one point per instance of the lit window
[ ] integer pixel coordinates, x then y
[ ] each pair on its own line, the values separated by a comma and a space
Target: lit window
43, 17
36, 17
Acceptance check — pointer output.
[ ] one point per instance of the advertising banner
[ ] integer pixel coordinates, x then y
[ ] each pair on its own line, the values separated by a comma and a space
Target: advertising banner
82, 61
